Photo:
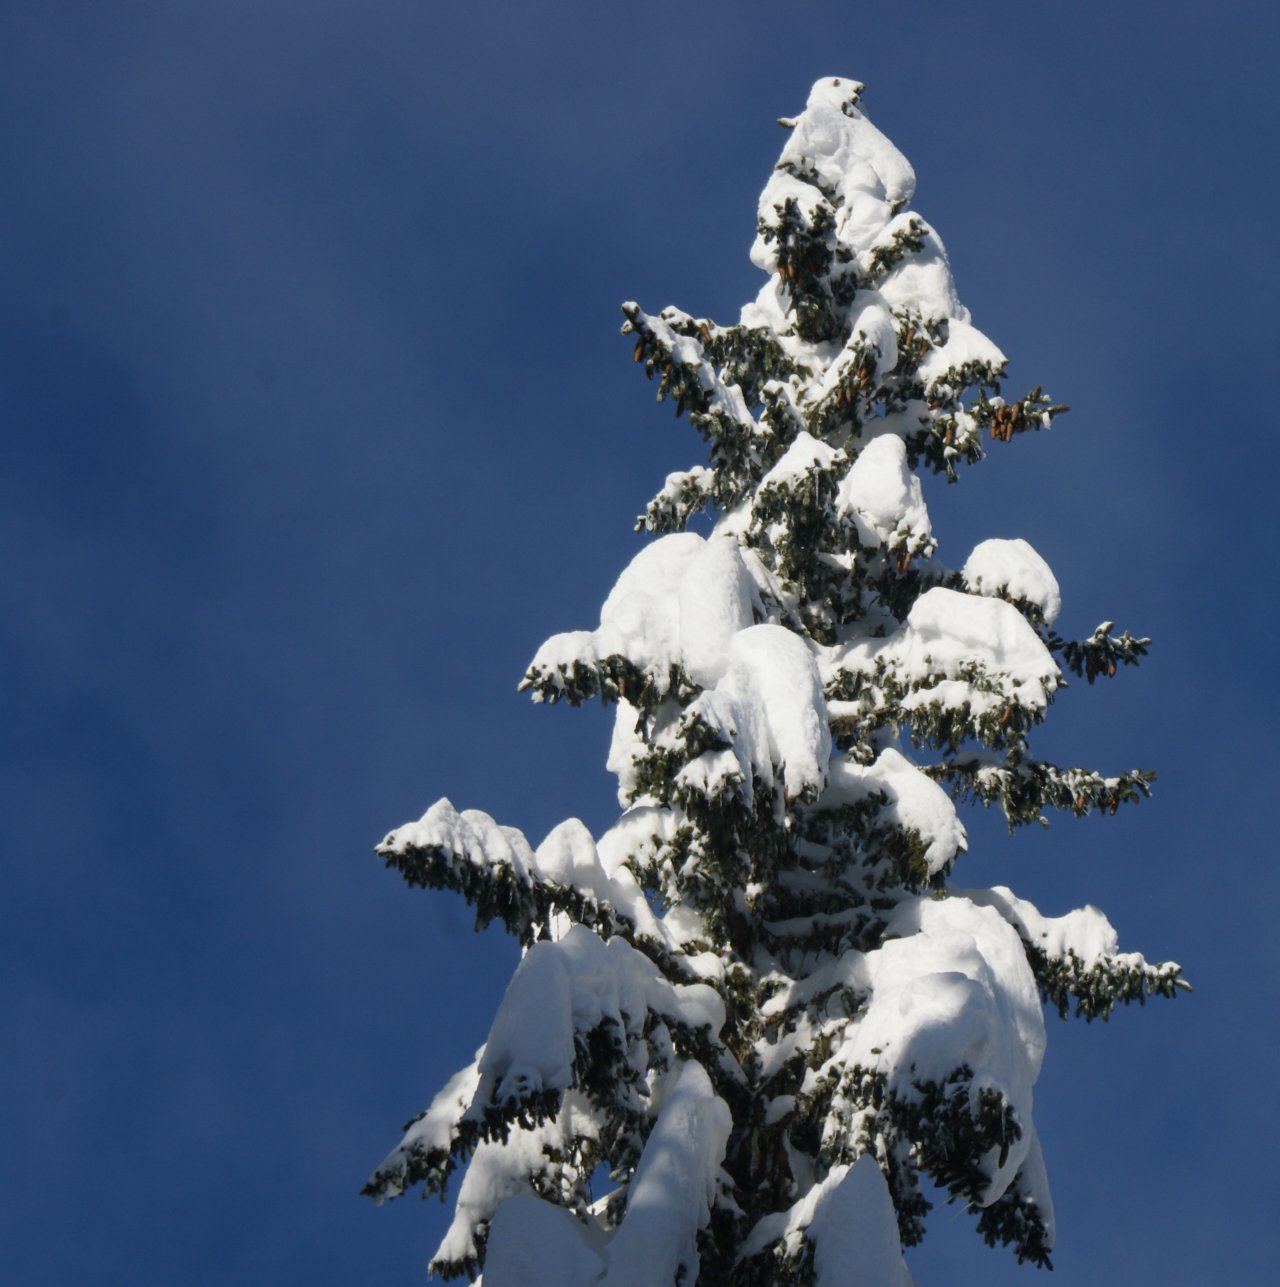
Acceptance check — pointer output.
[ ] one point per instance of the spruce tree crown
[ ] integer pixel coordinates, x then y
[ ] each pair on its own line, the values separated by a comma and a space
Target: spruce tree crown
758, 1002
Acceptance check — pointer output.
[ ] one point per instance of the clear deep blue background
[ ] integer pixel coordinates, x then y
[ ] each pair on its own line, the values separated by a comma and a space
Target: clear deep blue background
316, 424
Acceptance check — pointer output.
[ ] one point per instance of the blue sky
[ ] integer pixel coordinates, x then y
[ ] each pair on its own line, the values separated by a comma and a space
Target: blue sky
317, 424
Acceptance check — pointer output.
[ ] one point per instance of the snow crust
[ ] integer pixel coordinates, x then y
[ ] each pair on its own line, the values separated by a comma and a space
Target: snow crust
1013, 568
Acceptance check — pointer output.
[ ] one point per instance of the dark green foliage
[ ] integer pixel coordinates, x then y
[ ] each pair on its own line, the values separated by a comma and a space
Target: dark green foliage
1099, 988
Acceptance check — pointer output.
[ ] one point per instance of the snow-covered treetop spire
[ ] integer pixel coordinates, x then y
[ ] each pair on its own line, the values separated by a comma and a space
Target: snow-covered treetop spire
757, 999
833, 199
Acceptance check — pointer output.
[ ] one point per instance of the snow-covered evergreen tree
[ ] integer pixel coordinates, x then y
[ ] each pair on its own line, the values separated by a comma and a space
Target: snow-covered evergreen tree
758, 1000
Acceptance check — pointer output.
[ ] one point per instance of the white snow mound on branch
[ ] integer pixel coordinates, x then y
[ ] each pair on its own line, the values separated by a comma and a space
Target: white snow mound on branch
715, 602
915, 801
530, 1042
871, 327
922, 282
678, 603
674, 1186
770, 708
499, 1170
998, 567
435, 1129
533, 1243
869, 176
854, 1230
1084, 933
965, 344
884, 497
574, 985
472, 835
566, 858
626, 748
806, 455
951, 986
849, 1218
947, 629
947, 639
634, 835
